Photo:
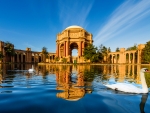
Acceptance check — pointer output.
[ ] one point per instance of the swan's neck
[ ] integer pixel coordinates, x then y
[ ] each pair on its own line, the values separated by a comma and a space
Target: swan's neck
143, 82
32, 66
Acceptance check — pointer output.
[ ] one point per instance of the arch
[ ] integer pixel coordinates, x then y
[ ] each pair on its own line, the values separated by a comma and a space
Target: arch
127, 57
73, 37
117, 59
73, 45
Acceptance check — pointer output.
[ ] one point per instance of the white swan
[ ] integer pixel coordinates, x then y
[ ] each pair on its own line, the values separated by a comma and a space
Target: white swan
129, 88
32, 69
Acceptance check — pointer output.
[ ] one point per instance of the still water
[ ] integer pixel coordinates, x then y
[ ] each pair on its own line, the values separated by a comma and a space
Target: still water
70, 89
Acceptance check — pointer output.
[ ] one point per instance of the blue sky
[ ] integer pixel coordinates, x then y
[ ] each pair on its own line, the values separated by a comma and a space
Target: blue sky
113, 23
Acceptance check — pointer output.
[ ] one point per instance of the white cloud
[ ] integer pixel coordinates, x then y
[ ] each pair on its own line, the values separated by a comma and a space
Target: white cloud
125, 16
74, 13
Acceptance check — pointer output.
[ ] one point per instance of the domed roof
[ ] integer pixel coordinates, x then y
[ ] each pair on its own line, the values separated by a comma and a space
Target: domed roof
74, 26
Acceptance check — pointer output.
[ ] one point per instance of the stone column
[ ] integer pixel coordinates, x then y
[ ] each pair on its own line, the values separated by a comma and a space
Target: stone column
12, 59
129, 58
82, 48
21, 58
67, 48
79, 50
58, 50
133, 61
17, 57
112, 57
115, 58
138, 57
37, 58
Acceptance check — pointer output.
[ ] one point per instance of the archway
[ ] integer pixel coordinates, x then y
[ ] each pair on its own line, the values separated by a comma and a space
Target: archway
74, 48
73, 38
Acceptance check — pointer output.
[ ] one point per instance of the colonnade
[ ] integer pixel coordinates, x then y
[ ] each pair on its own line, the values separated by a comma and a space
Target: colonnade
128, 57
123, 56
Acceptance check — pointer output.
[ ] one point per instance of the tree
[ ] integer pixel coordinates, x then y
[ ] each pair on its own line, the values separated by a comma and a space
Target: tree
117, 49
146, 53
64, 60
56, 59
44, 53
109, 50
1, 56
9, 50
90, 53
104, 51
132, 48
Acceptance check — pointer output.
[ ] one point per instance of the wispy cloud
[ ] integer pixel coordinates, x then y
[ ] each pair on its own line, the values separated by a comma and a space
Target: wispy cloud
74, 13
31, 46
125, 16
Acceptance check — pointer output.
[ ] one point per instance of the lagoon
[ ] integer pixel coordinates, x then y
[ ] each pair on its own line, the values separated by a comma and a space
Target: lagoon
70, 89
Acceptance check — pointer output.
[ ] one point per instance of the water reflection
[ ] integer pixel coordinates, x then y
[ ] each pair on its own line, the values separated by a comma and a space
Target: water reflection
143, 101
71, 84
66, 73
58, 83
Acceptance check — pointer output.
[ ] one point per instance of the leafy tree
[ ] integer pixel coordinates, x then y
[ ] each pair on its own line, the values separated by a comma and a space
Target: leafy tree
132, 48
9, 51
90, 53
104, 51
109, 50
146, 53
44, 53
64, 60
56, 59
9, 48
1, 56
147, 76
117, 49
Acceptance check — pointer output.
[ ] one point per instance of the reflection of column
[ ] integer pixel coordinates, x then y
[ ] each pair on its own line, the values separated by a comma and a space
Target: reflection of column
129, 69
122, 74
111, 69
138, 74
67, 77
133, 71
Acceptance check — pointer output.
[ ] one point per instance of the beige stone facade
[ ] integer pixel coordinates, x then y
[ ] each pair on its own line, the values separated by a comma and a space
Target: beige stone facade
73, 37
123, 56
26, 56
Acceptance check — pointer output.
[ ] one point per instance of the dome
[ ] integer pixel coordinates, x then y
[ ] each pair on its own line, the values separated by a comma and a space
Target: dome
74, 26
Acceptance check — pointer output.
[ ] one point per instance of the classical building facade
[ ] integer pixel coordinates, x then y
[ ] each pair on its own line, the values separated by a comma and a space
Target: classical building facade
73, 37
123, 56
25, 56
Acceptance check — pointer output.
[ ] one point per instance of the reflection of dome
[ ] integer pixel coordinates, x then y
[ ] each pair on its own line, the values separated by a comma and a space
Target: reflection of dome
72, 94
74, 26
